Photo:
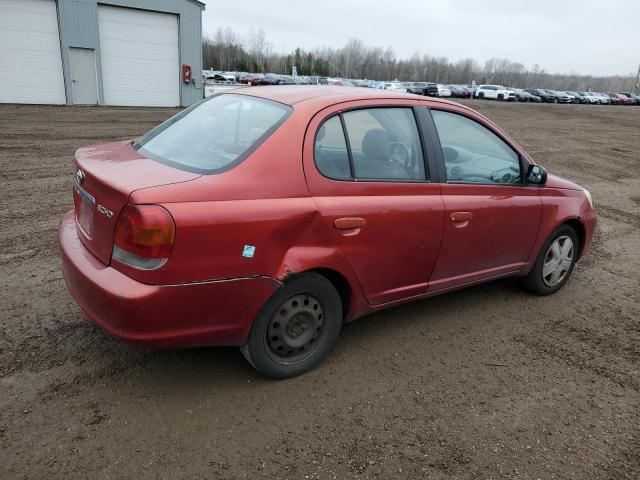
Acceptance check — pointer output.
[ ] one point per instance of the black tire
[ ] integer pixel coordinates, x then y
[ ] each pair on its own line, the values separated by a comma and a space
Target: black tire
263, 348
481, 95
535, 280
500, 96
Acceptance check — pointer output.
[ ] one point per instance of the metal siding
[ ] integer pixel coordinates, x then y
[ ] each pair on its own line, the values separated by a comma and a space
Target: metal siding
140, 57
191, 54
78, 21
30, 67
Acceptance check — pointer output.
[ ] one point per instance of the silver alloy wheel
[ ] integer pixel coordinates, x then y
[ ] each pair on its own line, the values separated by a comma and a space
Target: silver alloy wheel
557, 261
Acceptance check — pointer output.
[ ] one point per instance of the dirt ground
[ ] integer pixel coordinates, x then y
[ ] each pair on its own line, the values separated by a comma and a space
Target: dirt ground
489, 382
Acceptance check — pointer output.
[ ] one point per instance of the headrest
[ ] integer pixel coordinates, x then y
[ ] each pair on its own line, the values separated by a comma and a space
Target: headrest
376, 144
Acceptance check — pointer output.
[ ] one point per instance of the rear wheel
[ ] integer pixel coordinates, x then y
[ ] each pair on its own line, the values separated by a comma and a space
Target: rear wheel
555, 262
296, 328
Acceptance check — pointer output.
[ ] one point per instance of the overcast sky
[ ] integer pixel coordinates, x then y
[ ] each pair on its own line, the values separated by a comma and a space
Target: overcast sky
583, 36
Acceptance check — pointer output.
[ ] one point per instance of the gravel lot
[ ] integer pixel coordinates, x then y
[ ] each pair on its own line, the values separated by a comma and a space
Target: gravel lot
488, 382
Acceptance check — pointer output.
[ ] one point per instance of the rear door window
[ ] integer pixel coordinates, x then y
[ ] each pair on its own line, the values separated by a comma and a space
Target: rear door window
370, 144
385, 144
330, 150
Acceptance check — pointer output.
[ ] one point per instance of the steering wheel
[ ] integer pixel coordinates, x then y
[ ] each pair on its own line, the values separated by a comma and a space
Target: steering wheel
505, 175
473, 177
402, 155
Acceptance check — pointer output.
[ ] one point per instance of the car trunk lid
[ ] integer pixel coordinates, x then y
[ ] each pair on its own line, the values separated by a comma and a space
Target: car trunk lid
106, 175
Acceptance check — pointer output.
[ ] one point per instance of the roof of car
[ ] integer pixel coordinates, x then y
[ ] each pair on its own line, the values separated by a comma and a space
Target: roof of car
295, 94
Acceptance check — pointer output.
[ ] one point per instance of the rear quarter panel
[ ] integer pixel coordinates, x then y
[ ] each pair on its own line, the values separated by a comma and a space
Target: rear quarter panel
263, 202
288, 236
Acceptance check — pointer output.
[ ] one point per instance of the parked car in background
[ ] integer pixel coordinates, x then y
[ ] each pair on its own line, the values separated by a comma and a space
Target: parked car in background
558, 97
459, 91
230, 76
495, 92
543, 94
395, 86
613, 99
216, 228
624, 99
216, 76
524, 96
251, 78
270, 79
432, 89
341, 82
443, 90
422, 88
632, 96
604, 99
593, 99
520, 97
577, 96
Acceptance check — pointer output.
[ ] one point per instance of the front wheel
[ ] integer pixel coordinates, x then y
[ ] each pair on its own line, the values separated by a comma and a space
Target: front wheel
296, 328
555, 262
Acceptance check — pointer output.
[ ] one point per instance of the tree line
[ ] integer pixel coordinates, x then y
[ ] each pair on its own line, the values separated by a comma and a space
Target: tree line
226, 50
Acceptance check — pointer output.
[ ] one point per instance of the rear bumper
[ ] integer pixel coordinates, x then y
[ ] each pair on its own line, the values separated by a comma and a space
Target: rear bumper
160, 316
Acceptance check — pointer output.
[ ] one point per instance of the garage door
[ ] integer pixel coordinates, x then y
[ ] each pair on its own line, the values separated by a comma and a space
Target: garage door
139, 53
30, 61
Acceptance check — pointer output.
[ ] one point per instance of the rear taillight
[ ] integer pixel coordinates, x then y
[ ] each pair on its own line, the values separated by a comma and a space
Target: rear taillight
144, 236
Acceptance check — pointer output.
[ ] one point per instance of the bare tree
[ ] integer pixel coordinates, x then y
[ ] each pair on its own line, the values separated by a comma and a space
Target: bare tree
227, 50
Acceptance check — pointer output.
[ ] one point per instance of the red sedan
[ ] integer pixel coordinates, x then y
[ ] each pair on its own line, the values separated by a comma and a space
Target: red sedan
268, 216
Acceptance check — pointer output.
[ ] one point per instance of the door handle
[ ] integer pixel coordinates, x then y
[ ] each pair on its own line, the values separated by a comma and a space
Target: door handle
349, 223
459, 217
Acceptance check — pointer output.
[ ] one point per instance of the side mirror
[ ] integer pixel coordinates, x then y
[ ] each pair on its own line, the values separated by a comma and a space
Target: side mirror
536, 175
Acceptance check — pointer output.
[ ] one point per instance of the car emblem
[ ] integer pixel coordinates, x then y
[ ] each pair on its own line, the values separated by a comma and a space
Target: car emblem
79, 177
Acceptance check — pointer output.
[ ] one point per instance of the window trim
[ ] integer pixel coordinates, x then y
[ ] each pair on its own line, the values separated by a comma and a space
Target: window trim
347, 143
140, 142
354, 179
521, 161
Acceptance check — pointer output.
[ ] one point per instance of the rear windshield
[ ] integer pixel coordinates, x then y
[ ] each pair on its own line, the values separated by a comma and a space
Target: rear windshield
214, 135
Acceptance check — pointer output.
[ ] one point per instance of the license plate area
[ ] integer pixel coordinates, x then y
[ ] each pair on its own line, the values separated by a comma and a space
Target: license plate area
84, 211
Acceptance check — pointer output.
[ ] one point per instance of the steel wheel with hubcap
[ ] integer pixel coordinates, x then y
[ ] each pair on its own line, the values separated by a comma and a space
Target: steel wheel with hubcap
558, 260
555, 262
296, 328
